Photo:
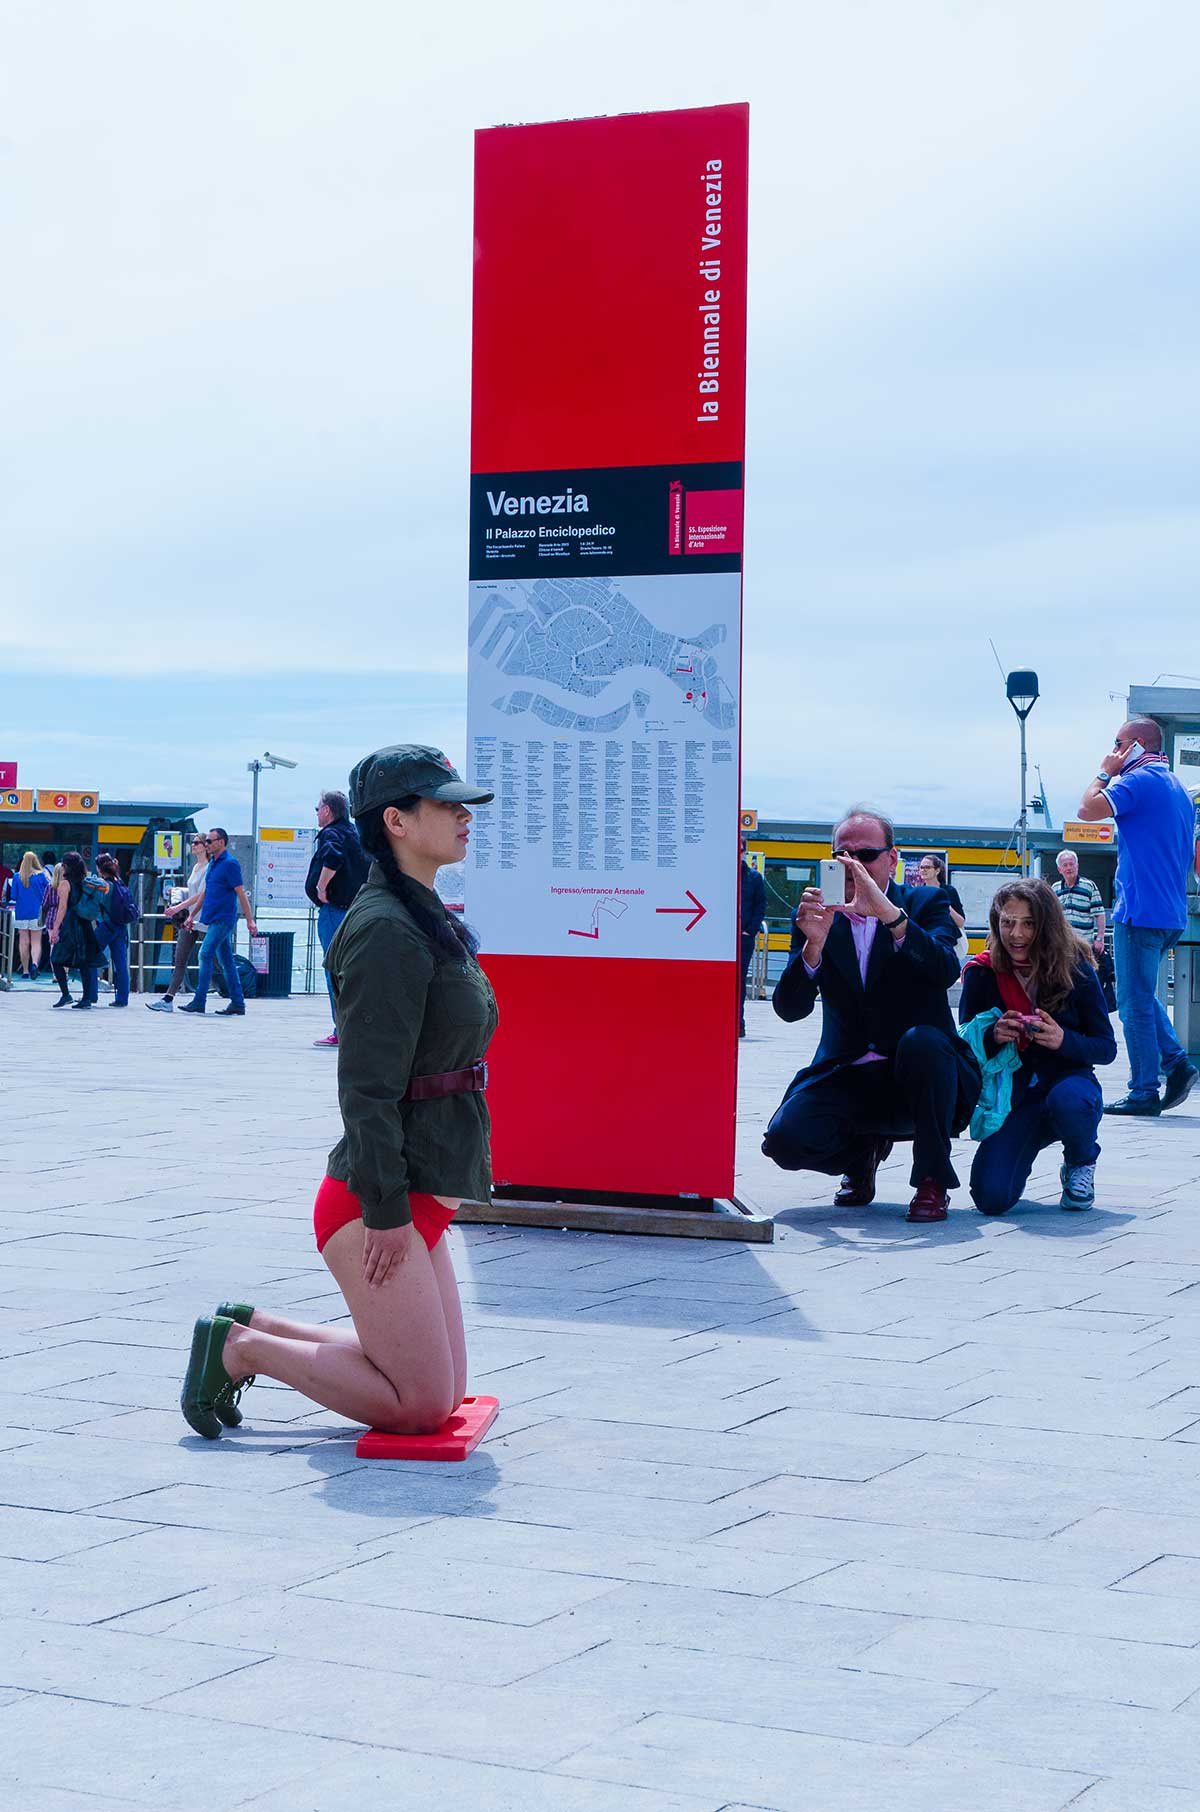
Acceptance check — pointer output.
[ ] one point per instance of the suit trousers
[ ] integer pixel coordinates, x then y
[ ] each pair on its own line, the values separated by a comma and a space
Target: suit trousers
827, 1123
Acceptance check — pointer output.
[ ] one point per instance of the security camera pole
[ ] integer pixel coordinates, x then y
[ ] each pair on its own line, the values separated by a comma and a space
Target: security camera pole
255, 767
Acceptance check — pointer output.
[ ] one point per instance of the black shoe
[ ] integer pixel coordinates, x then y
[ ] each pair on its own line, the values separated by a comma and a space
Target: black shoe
1180, 1082
191, 1008
1146, 1108
82, 1006
64, 1001
229, 1012
118, 1003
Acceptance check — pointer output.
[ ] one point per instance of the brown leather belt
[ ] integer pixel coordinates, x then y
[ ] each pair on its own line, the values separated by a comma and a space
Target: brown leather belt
451, 1082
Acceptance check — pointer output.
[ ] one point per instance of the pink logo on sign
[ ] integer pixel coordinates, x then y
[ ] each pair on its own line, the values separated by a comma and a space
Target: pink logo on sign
714, 522
8, 773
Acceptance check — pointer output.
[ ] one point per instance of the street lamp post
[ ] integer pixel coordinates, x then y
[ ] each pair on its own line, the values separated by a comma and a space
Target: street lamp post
1021, 690
255, 767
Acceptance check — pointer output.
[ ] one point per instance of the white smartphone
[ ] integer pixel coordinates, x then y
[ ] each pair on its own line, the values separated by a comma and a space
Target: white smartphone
1132, 754
831, 879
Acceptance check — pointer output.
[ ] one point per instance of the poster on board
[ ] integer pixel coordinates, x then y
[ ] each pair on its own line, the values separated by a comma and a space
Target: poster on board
604, 643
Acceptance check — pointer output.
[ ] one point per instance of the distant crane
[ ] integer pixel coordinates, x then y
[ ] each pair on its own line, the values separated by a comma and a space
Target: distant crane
1041, 803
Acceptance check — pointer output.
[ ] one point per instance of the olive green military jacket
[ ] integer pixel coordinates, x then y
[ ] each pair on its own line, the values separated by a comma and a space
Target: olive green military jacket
405, 1010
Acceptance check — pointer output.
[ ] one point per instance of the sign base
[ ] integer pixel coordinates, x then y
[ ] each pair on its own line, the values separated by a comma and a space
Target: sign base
577, 1211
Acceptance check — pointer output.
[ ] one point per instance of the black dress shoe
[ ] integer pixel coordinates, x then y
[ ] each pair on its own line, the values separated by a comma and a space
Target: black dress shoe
1145, 1108
857, 1187
230, 1012
1180, 1082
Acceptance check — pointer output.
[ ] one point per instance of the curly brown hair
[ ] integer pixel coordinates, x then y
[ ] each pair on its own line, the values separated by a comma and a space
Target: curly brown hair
1058, 952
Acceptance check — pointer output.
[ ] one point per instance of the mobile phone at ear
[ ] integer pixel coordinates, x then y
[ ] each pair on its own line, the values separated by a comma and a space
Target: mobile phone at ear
832, 879
1133, 753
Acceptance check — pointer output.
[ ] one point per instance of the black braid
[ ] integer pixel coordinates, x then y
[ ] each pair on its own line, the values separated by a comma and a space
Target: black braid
445, 931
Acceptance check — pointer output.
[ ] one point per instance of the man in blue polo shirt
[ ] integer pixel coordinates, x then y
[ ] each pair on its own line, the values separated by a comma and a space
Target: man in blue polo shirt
223, 893
1155, 818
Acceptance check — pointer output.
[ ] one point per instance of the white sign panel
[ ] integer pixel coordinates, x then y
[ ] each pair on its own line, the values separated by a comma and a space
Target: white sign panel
283, 859
604, 713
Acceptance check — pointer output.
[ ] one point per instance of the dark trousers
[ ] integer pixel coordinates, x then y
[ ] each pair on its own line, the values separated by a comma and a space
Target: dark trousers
1067, 1113
826, 1124
60, 975
749, 938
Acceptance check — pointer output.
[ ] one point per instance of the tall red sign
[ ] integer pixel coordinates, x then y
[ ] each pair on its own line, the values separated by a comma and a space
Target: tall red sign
608, 429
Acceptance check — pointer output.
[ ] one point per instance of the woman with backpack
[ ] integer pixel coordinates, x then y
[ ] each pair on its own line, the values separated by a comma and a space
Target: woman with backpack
27, 893
415, 1015
112, 929
73, 941
1034, 1014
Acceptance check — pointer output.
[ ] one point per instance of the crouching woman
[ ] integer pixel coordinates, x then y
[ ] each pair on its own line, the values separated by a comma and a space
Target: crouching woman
1033, 1009
415, 1016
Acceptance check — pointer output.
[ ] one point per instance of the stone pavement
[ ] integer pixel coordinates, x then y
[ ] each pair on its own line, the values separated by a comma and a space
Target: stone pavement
881, 1516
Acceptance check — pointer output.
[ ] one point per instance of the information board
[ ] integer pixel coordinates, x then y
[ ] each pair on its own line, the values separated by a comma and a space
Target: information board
604, 672
283, 861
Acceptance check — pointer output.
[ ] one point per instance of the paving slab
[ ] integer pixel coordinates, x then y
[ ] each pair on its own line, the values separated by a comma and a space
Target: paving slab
877, 1515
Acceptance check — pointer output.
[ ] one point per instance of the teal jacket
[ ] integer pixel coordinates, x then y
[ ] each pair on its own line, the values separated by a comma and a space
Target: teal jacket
995, 1101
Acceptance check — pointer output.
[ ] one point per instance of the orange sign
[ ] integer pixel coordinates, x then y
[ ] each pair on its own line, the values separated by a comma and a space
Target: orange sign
16, 802
749, 820
67, 802
1076, 831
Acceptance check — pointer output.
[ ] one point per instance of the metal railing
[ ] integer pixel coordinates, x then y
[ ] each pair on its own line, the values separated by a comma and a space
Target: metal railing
8, 938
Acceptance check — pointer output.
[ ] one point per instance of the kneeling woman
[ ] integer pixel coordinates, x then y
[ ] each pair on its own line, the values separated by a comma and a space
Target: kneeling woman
1040, 978
415, 1016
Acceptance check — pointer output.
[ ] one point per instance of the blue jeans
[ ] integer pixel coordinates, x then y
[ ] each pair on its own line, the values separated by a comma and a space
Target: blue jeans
89, 981
328, 920
218, 943
1068, 1110
1149, 1035
115, 939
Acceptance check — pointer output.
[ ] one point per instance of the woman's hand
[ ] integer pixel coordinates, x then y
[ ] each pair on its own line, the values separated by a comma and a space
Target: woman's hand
1008, 1028
1048, 1033
384, 1249
53, 936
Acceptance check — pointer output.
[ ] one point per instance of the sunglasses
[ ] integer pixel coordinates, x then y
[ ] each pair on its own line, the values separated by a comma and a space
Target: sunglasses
861, 855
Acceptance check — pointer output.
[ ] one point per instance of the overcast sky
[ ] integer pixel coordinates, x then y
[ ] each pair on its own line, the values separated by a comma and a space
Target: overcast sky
234, 328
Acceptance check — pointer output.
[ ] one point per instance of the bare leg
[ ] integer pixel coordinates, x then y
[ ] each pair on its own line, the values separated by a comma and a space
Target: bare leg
400, 1378
443, 1270
267, 1323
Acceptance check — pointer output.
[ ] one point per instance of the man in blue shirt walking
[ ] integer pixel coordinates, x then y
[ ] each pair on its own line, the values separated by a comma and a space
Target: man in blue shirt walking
1155, 820
223, 893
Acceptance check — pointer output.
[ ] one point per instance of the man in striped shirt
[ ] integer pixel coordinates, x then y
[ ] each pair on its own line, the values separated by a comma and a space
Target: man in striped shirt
1081, 903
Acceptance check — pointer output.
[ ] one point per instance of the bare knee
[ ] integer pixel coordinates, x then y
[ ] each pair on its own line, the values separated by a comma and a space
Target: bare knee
417, 1414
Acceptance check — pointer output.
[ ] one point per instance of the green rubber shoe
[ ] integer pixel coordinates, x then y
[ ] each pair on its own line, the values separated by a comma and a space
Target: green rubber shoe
206, 1379
226, 1406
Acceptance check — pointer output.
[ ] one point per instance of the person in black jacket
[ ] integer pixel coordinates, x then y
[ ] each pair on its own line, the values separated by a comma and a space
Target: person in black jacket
1041, 976
889, 1064
335, 874
752, 902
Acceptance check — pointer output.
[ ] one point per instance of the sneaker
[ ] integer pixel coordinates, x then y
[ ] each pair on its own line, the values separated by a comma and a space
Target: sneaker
1180, 1082
230, 1012
1078, 1185
206, 1380
326, 1044
225, 1408
192, 1007
1143, 1106
165, 1005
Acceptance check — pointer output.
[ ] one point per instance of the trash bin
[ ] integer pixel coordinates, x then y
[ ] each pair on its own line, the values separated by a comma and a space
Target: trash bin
275, 981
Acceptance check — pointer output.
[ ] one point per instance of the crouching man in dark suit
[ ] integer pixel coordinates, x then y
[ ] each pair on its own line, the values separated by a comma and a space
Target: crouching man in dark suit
890, 1064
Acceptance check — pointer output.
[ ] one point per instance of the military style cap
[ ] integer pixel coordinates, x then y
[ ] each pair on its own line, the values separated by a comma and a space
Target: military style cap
407, 767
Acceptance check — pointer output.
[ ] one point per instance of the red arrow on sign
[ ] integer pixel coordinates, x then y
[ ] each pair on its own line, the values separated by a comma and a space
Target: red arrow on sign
696, 909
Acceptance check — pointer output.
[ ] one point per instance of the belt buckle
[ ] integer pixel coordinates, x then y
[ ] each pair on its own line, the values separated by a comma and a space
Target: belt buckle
481, 1077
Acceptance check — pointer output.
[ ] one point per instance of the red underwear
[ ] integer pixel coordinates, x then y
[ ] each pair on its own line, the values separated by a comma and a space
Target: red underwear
336, 1207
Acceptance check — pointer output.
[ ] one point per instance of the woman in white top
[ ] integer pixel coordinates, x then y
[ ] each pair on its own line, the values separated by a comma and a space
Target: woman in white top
186, 936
